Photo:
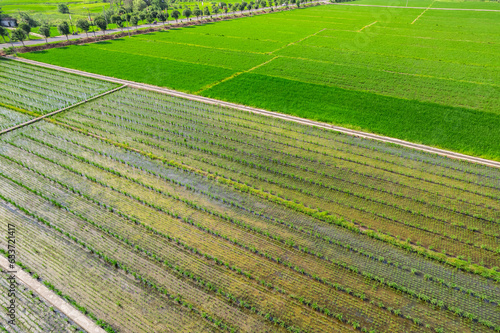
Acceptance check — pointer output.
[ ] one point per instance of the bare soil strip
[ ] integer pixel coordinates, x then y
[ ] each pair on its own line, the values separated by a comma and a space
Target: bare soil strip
212, 101
415, 20
366, 26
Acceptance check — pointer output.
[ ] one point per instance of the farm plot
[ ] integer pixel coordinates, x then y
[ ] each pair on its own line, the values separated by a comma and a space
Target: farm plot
225, 220
35, 315
10, 118
42, 90
434, 80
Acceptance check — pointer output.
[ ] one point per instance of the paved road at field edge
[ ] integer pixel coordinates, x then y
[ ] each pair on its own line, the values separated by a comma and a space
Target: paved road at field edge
212, 101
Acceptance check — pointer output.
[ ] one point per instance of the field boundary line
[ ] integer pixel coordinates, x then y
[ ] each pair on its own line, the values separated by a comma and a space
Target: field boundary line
158, 57
297, 41
422, 13
344, 130
202, 46
208, 86
52, 298
34, 120
366, 26
466, 9
388, 71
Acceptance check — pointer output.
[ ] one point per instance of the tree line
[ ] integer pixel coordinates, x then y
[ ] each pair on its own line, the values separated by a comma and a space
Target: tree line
130, 13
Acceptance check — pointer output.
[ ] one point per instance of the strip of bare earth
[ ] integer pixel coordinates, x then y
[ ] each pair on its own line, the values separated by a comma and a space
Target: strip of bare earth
60, 110
344, 130
76, 316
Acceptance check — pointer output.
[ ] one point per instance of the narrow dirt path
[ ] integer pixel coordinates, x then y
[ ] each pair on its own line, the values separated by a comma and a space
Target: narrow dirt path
76, 316
34, 120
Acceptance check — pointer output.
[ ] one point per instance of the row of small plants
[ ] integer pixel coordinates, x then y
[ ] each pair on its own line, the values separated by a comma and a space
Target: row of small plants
175, 297
202, 110
485, 247
273, 153
455, 263
177, 216
204, 209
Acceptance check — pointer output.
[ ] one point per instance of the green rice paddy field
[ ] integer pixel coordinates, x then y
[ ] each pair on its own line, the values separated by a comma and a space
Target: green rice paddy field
432, 78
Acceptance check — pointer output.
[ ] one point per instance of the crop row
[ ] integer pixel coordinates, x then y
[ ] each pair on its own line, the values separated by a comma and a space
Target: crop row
137, 198
200, 110
129, 163
93, 144
404, 245
482, 246
157, 190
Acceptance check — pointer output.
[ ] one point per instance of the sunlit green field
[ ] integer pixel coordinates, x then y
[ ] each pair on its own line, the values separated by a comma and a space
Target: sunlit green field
464, 4
431, 77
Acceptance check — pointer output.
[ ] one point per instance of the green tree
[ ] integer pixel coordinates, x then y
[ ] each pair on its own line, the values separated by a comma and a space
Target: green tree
242, 6
159, 4
63, 29
215, 9
62, 8
117, 19
19, 35
4, 32
175, 15
162, 17
197, 12
101, 24
134, 20
297, 2
206, 11
83, 25
139, 5
149, 18
26, 28
26, 18
44, 31
187, 13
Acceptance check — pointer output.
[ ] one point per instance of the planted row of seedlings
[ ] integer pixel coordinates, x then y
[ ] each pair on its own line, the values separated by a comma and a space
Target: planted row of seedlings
44, 90
131, 164
315, 136
248, 202
403, 221
129, 268
10, 118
